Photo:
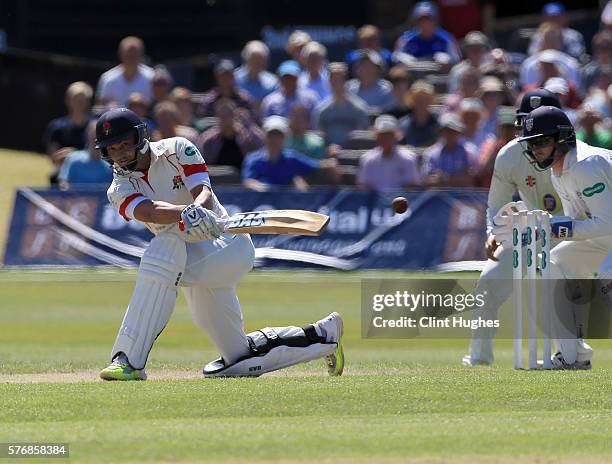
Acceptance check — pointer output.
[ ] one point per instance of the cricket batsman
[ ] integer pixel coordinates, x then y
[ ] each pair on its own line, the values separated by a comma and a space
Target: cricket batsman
582, 176
160, 184
512, 173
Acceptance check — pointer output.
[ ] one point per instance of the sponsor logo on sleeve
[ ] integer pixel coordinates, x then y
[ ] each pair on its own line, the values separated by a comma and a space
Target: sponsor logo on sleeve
191, 151
594, 189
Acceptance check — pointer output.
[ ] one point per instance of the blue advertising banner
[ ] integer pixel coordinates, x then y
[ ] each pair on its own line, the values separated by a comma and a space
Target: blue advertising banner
80, 228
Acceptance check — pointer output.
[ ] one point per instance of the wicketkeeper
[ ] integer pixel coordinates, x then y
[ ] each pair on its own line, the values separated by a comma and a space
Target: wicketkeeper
160, 184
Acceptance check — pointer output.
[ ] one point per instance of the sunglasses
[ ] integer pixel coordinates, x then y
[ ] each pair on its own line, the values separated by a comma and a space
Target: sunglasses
541, 142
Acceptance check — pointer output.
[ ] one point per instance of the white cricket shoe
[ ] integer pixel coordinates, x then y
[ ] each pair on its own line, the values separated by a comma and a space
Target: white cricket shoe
333, 328
468, 361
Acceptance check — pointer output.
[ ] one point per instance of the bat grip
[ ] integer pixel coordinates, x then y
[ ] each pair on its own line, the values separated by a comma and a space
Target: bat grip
181, 224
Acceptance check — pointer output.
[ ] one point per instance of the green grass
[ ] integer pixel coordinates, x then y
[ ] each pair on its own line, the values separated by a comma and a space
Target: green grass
400, 401
19, 169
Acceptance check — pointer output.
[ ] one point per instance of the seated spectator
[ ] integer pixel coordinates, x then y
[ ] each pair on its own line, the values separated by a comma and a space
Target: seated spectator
500, 65
295, 43
161, 84
225, 88
85, 166
276, 165
490, 148
252, 76
167, 118
70, 130
469, 84
299, 139
427, 41
117, 84
341, 113
369, 85
420, 128
368, 38
549, 61
388, 166
492, 93
279, 101
140, 105
560, 88
231, 138
57, 159
399, 76
590, 128
315, 76
471, 113
602, 57
476, 48
572, 41
182, 98
452, 161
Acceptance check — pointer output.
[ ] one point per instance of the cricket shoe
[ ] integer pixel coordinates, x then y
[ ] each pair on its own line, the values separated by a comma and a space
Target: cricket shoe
559, 364
333, 328
120, 369
468, 361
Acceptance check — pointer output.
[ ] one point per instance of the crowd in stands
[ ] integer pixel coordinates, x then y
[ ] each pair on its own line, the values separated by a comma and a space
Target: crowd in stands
432, 112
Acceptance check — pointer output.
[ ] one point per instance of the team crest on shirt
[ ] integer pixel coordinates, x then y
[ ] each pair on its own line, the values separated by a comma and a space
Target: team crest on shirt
530, 181
177, 182
528, 124
535, 101
550, 202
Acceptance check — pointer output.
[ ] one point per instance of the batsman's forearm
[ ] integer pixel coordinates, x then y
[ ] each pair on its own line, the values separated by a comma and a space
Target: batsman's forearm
158, 212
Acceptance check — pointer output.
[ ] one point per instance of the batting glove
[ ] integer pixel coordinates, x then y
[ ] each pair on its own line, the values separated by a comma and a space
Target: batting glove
200, 223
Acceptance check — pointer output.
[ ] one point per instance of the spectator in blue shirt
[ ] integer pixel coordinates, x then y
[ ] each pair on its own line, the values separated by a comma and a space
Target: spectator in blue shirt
315, 75
252, 76
85, 166
368, 38
279, 102
69, 131
276, 165
427, 41
369, 86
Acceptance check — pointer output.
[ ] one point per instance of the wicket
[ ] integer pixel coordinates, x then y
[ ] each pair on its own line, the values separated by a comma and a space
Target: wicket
524, 227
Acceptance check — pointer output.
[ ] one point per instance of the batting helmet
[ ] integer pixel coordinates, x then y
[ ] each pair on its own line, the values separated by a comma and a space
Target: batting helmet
117, 125
549, 125
532, 100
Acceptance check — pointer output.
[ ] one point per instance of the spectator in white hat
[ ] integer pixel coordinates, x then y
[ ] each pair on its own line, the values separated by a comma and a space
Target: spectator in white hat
472, 113
476, 48
388, 166
560, 87
253, 76
452, 161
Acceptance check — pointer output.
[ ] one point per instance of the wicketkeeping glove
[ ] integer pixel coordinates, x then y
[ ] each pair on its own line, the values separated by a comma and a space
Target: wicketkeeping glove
502, 222
200, 223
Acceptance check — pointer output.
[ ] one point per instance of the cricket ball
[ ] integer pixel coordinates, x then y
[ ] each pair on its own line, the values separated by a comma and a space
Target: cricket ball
399, 205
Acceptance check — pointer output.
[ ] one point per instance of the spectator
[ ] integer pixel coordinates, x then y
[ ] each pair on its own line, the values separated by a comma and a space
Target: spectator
506, 132
70, 130
295, 43
252, 76
368, 38
341, 113
300, 139
399, 76
549, 61
388, 166
279, 102
225, 88
590, 128
499, 64
469, 84
276, 165
493, 94
427, 41
606, 16
471, 113
162, 84
420, 128
602, 58
315, 76
117, 84
451, 161
140, 105
182, 98
369, 86
167, 118
572, 41
475, 47
560, 87
85, 166
601, 100
231, 138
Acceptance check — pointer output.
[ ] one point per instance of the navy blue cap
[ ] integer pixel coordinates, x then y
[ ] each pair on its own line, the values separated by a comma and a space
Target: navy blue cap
116, 125
536, 98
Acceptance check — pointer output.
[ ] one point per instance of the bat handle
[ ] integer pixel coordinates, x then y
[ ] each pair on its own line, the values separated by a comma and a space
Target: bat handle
181, 224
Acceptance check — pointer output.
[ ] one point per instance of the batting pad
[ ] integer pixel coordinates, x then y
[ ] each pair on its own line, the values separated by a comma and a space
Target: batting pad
153, 299
277, 358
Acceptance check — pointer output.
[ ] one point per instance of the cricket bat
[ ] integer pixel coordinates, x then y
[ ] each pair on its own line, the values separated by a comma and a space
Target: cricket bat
276, 221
